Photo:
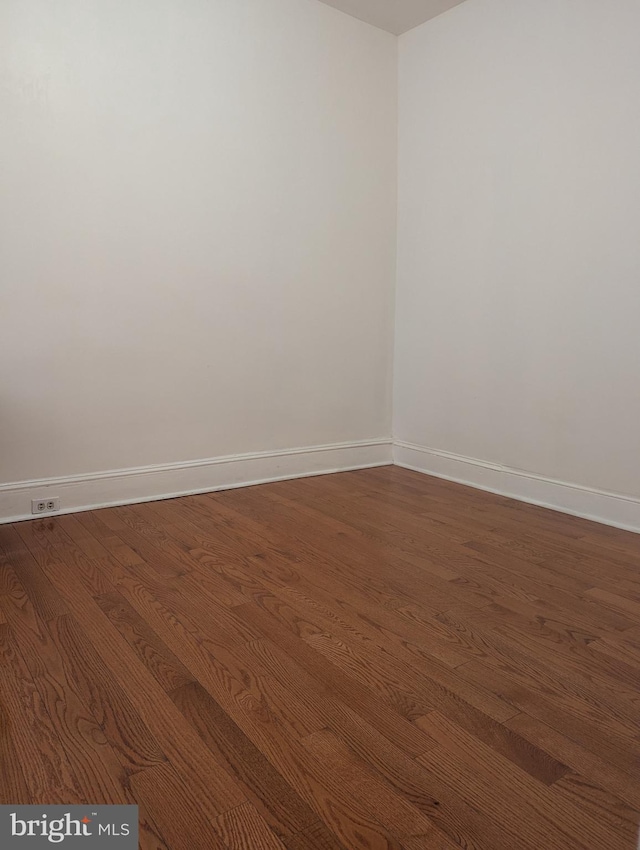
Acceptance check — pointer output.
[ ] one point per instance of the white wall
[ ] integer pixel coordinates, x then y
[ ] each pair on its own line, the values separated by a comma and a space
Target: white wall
197, 248
197, 224
518, 308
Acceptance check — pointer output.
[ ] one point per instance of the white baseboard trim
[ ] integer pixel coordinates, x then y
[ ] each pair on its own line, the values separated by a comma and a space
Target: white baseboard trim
609, 508
166, 481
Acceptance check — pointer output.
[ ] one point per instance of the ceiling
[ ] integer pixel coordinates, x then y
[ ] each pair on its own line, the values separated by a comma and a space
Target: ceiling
396, 16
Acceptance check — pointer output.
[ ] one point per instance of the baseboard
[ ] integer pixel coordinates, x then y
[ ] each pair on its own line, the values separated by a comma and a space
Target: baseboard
150, 483
166, 481
609, 508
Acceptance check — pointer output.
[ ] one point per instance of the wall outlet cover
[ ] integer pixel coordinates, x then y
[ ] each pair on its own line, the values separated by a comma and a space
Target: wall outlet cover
45, 506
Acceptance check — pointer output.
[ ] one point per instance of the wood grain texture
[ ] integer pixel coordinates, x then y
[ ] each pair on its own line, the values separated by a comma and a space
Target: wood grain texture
243, 827
316, 837
374, 660
280, 806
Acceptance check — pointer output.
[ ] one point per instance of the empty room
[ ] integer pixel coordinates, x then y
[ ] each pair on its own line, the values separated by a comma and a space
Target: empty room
320, 424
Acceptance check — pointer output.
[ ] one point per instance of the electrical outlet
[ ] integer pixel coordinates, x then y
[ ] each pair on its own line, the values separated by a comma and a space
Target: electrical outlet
44, 506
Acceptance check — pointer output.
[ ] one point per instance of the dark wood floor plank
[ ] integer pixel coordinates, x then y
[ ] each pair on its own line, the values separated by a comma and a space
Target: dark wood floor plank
168, 564
419, 842
389, 572
612, 682
616, 602
593, 736
508, 792
13, 786
391, 630
513, 520
61, 745
403, 775
177, 739
624, 648
29, 628
43, 764
348, 690
427, 633
316, 837
601, 805
42, 595
215, 658
242, 828
394, 668
163, 665
362, 737
10, 541
392, 810
536, 664
570, 580
376, 660
308, 514
580, 759
112, 545
337, 803
583, 651
185, 818
501, 738
98, 689
82, 537
280, 806
316, 785
383, 681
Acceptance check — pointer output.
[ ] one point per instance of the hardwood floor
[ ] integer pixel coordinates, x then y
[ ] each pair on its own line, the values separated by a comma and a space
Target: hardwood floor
374, 659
